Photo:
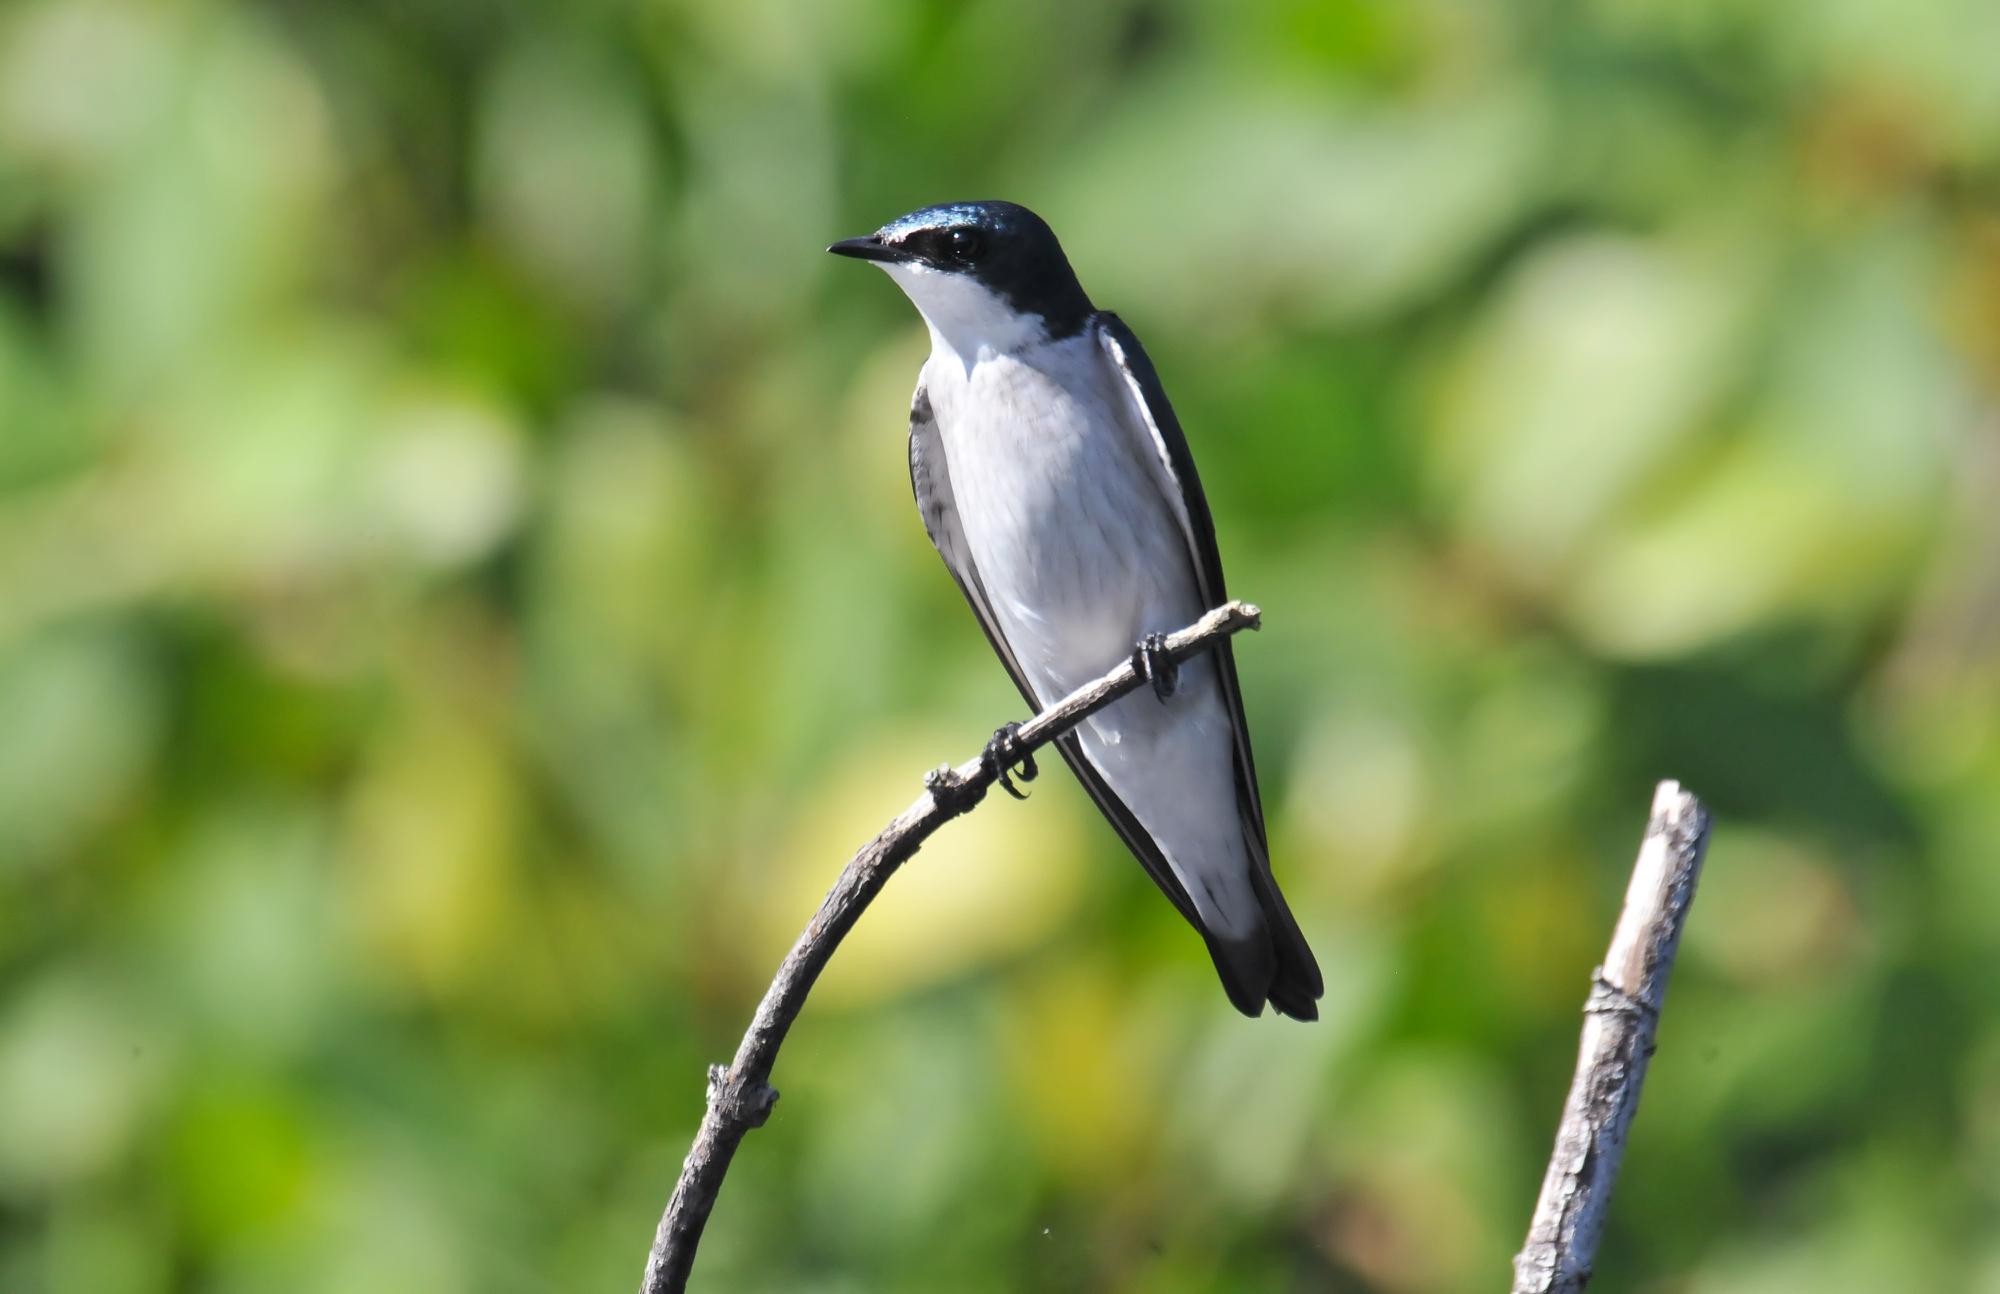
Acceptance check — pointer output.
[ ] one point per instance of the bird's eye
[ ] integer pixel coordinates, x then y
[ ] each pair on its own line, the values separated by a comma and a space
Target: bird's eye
964, 245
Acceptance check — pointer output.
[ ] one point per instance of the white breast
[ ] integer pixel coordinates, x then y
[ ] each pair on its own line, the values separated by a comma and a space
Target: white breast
1072, 536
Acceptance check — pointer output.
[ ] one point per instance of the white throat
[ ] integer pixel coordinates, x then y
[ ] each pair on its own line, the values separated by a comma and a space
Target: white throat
965, 317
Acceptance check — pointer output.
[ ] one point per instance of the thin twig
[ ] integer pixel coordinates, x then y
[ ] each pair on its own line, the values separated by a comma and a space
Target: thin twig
1620, 1020
739, 1096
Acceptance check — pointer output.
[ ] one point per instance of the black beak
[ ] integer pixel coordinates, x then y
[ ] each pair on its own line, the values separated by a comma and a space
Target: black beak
870, 248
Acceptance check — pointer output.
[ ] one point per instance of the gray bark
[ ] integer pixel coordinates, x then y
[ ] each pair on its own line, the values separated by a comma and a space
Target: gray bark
1621, 1019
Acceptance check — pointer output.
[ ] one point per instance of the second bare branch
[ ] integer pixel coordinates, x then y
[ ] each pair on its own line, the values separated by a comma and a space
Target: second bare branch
1620, 1022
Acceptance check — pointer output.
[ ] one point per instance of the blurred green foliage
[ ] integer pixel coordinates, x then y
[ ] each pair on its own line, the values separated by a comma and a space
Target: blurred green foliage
460, 604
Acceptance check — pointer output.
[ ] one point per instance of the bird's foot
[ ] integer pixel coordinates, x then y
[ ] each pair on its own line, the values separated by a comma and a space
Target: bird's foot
1150, 658
1003, 755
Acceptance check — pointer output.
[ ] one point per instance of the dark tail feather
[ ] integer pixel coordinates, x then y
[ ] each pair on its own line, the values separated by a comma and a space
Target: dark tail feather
1272, 964
1246, 966
1296, 986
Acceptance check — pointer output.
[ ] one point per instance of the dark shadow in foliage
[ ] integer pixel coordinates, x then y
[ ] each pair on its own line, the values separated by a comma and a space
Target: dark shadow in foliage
1758, 755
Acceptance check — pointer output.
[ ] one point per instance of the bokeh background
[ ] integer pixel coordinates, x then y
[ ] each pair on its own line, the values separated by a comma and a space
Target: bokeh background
460, 604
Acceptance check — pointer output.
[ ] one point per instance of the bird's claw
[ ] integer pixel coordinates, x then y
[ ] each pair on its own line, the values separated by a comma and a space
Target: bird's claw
1150, 658
1003, 755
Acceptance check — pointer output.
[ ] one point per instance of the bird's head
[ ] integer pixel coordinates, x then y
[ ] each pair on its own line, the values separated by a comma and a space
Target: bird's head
984, 274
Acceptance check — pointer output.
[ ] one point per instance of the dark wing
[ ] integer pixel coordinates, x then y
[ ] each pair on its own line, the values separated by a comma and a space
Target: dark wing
931, 481
1297, 983
1128, 359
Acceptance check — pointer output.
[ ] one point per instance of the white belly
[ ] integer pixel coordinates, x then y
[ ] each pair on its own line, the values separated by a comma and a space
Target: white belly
1081, 554
1074, 539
